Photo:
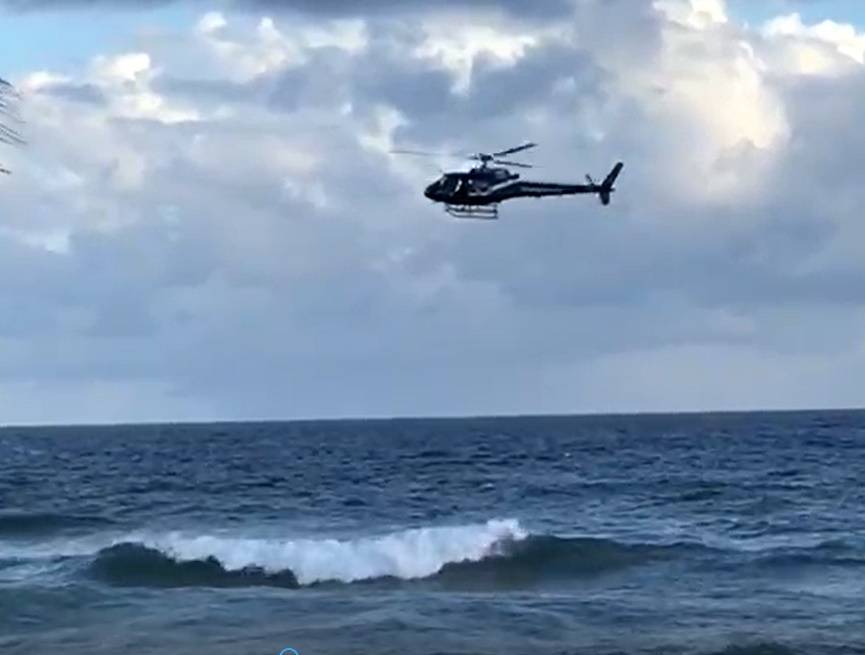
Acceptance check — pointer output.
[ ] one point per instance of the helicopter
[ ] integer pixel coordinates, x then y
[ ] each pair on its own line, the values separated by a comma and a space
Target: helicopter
478, 192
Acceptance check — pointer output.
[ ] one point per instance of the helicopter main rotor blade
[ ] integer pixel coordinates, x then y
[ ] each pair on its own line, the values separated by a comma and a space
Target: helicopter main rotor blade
512, 163
510, 151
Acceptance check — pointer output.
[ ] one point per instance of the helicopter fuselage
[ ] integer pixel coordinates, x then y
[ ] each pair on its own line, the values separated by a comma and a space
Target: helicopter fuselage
490, 186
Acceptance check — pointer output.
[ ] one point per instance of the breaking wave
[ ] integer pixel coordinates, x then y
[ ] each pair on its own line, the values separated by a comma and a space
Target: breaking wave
410, 554
492, 555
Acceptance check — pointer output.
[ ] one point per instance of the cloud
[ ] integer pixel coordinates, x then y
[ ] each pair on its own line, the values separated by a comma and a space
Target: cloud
212, 227
332, 8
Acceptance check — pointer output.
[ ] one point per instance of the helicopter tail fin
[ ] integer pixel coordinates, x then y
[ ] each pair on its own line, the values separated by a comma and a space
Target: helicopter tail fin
607, 185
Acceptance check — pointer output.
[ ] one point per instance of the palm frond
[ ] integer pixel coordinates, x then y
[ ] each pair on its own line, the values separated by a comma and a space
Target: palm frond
9, 117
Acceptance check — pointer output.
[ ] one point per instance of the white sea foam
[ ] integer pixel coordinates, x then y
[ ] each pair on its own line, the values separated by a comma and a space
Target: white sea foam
416, 553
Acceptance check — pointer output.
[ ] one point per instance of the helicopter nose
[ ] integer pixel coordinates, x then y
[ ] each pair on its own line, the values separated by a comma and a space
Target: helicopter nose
428, 192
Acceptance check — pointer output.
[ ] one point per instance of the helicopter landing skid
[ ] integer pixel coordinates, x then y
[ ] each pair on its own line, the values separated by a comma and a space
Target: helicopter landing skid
484, 212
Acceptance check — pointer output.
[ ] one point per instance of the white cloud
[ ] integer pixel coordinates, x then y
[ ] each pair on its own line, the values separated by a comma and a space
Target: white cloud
698, 14
843, 36
824, 48
457, 47
211, 22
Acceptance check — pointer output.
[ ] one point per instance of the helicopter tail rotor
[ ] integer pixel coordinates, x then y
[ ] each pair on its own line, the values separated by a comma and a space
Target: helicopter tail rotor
607, 185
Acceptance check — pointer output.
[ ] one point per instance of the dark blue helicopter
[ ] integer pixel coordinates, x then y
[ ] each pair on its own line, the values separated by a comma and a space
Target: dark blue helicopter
477, 193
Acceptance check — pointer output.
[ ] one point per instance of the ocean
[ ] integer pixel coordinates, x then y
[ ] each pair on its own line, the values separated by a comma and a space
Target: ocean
735, 534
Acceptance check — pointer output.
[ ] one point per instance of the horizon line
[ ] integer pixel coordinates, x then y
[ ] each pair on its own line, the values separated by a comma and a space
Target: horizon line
420, 417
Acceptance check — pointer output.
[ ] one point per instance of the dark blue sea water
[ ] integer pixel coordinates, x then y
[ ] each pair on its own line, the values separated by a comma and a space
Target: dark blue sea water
738, 534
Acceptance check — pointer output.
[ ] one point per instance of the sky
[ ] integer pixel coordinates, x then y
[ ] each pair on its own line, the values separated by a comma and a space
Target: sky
206, 222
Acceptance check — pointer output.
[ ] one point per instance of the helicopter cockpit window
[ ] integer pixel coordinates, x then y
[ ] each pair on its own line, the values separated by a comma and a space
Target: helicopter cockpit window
449, 184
